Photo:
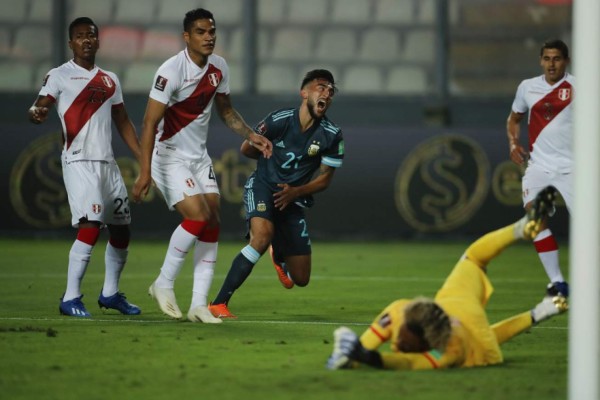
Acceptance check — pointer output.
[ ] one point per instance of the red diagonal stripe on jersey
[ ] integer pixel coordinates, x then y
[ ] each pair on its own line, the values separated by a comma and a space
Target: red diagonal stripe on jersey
548, 107
181, 114
100, 88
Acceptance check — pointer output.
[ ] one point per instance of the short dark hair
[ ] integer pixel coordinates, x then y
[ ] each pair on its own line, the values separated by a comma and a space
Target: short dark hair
318, 74
81, 21
556, 44
193, 15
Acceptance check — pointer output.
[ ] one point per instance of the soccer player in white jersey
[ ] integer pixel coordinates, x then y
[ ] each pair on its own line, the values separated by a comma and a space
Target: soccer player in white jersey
174, 155
88, 100
548, 100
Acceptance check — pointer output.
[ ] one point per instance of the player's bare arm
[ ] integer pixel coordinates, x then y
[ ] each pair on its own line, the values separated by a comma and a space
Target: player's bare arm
38, 112
248, 150
155, 111
288, 193
126, 129
513, 129
236, 123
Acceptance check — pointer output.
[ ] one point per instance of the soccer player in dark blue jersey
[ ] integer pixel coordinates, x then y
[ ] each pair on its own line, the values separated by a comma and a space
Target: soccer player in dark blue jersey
307, 149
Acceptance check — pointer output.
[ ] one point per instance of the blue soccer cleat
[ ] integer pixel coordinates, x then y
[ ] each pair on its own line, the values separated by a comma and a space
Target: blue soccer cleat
118, 302
73, 308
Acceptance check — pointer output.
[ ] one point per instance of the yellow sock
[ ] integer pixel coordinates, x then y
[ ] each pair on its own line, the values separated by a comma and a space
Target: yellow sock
484, 249
511, 327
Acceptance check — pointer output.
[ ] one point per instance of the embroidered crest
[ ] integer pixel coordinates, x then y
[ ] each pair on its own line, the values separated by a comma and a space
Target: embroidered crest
313, 149
261, 207
96, 208
564, 94
190, 182
107, 81
213, 79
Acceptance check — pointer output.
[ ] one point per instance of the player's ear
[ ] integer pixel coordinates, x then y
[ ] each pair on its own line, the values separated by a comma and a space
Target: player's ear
304, 94
186, 37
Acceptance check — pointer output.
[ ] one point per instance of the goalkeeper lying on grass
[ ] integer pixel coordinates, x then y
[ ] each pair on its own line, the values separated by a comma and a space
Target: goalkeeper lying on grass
452, 330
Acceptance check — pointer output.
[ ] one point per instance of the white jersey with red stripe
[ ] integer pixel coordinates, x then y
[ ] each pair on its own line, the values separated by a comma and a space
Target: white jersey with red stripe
189, 92
84, 101
550, 121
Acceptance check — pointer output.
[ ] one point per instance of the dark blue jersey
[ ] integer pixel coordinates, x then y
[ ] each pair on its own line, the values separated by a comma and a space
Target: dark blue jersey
296, 154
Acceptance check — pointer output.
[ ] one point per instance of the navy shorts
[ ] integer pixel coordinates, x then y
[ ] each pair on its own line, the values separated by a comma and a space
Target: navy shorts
291, 236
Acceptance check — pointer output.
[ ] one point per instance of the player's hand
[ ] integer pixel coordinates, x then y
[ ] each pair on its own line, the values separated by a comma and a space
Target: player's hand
37, 115
262, 144
518, 155
141, 188
285, 196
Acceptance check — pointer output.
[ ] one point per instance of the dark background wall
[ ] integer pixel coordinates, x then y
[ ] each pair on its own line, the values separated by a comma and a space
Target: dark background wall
405, 174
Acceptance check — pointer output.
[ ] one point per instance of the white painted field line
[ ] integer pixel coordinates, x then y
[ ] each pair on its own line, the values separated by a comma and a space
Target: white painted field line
238, 321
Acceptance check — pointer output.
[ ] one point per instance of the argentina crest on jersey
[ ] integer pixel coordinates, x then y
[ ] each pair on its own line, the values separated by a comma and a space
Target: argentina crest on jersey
314, 148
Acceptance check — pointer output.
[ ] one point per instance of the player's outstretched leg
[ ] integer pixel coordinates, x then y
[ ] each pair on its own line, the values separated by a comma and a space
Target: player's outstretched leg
543, 206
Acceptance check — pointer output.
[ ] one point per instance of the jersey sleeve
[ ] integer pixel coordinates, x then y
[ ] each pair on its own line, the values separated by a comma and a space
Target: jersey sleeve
117, 98
384, 325
271, 125
51, 84
223, 87
164, 85
334, 155
519, 105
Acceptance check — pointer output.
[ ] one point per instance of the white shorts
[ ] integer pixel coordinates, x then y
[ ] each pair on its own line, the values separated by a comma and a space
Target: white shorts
176, 177
96, 192
536, 178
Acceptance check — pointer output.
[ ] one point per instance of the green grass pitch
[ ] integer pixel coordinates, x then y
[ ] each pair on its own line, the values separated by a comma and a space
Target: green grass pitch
277, 348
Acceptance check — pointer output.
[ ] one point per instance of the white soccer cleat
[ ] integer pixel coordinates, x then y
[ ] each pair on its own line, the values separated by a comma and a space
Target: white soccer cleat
344, 341
166, 300
202, 314
549, 307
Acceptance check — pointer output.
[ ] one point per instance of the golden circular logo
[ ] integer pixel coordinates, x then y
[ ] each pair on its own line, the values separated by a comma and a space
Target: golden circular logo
37, 191
442, 183
506, 183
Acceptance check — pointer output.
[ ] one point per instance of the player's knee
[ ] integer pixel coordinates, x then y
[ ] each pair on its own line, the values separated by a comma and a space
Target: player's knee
193, 227
210, 234
88, 235
301, 281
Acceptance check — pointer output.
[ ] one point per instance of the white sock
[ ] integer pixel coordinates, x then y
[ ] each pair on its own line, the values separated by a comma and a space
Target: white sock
205, 259
550, 259
79, 258
180, 244
115, 260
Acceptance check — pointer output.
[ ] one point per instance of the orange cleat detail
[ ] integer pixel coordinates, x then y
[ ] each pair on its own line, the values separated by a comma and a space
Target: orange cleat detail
281, 272
220, 311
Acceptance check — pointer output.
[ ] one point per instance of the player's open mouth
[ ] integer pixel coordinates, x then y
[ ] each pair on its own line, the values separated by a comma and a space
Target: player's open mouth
321, 104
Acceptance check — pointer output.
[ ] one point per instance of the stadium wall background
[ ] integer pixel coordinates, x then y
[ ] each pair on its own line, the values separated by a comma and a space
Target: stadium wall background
411, 171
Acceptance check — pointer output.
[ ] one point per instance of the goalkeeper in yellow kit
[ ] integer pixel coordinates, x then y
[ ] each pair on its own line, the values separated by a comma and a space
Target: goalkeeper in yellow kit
452, 330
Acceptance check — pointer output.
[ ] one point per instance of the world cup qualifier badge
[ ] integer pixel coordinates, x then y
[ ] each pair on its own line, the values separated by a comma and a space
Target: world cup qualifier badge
161, 83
